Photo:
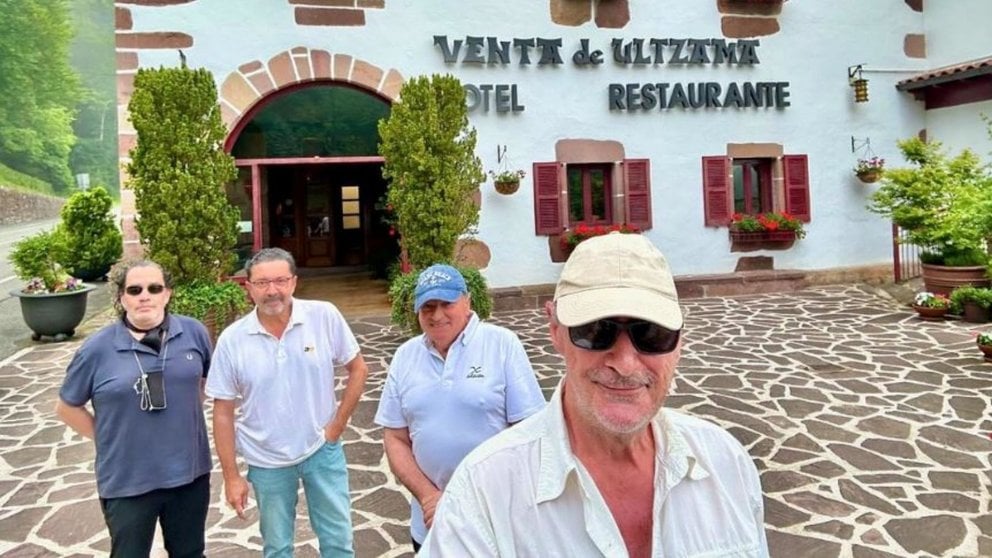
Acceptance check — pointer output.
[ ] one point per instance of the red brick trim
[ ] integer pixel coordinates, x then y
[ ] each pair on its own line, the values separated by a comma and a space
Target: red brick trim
165, 39
127, 61
915, 5
122, 19
338, 17
915, 45
735, 27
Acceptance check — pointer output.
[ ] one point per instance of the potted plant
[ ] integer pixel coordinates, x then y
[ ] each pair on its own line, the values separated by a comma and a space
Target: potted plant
972, 303
774, 230
944, 205
869, 170
984, 340
53, 303
93, 241
507, 181
931, 307
570, 238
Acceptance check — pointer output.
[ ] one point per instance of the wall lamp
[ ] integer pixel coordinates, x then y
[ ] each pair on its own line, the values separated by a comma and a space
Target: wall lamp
858, 82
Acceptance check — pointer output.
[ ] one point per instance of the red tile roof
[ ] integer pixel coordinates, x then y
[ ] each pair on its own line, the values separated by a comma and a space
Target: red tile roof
954, 72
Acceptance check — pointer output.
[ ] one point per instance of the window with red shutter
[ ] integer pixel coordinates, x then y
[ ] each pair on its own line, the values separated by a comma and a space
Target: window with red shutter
637, 176
716, 191
795, 174
547, 198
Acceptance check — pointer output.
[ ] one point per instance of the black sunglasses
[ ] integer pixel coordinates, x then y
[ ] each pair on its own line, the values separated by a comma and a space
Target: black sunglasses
647, 337
135, 290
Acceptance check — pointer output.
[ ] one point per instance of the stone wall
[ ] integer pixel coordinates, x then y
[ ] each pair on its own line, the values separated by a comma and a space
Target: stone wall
21, 207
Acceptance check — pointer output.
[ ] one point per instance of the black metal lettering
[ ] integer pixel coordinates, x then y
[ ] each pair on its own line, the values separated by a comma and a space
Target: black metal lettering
782, 94
678, 97
621, 52
733, 98
524, 45
450, 54
638, 49
677, 57
499, 51
549, 51
749, 52
713, 94
699, 54
659, 51
616, 96
648, 98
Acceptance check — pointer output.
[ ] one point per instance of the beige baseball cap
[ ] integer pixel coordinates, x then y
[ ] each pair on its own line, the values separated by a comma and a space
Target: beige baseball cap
617, 275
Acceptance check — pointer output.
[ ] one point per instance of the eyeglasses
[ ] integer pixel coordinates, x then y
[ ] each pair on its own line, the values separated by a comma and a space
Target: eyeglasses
278, 282
135, 290
647, 337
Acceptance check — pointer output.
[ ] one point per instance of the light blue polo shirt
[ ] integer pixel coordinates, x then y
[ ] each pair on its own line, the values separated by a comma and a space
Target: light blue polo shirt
452, 405
284, 387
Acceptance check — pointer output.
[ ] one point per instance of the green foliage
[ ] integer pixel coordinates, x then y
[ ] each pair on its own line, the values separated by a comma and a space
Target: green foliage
401, 290
178, 171
429, 152
93, 55
975, 295
38, 88
9, 178
92, 238
944, 204
36, 260
226, 299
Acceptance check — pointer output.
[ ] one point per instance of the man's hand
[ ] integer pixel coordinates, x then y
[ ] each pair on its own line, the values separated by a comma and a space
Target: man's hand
236, 493
333, 431
429, 504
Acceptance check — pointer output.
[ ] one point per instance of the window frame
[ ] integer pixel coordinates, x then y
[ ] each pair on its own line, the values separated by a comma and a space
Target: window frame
585, 170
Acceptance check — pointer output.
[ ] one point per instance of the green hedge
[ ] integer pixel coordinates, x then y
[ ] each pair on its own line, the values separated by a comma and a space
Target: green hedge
401, 297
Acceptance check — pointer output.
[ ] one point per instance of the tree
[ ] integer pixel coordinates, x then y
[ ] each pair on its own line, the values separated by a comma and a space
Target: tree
92, 54
178, 171
429, 152
38, 88
91, 235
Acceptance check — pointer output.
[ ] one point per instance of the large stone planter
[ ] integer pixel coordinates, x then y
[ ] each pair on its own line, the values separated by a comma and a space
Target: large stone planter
942, 279
53, 315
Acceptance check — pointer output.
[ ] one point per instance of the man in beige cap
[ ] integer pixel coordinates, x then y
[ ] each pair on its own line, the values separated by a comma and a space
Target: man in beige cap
603, 470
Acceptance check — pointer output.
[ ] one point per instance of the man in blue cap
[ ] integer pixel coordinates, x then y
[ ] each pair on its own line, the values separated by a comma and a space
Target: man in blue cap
448, 390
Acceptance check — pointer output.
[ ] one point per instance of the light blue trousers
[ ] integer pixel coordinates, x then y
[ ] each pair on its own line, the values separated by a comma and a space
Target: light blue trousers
325, 483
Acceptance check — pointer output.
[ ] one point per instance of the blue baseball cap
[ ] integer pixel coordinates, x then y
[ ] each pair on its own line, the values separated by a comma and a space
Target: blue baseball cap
438, 282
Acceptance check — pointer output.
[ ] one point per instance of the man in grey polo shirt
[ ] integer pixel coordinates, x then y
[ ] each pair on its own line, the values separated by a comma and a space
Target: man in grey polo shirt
448, 390
277, 364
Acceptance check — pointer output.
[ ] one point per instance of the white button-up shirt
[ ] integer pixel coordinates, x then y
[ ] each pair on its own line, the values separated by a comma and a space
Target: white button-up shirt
524, 493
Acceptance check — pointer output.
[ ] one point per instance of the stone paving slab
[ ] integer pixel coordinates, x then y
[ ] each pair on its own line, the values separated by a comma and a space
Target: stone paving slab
870, 429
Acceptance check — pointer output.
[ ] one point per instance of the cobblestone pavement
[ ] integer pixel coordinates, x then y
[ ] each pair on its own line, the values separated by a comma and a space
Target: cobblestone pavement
870, 429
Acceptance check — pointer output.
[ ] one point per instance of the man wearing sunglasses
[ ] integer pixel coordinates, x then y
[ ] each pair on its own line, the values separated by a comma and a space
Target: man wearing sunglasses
603, 470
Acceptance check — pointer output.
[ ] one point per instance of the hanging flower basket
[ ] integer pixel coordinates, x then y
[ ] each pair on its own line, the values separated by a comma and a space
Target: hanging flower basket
507, 187
869, 176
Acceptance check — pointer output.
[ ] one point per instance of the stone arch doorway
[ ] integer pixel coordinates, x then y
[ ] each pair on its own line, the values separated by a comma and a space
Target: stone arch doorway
304, 137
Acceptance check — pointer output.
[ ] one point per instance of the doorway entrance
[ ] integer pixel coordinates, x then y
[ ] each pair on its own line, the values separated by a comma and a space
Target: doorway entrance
327, 215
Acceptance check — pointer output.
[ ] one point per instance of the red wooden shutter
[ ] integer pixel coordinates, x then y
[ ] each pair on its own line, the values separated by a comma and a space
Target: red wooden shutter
795, 171
547, 197
637, 202
716, 191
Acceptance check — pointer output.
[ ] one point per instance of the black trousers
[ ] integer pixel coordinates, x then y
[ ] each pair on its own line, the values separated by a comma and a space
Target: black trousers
182, 512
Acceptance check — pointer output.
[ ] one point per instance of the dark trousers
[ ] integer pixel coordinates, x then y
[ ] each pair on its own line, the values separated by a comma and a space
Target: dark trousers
182, 511
416, 545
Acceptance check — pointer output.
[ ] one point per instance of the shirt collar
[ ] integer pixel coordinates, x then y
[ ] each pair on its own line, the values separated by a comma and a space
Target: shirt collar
295, 318
464, 338
124, 342
675, 458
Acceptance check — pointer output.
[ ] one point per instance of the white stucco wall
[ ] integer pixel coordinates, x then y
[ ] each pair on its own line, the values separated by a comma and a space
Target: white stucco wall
960, 127
957, 30
812, 51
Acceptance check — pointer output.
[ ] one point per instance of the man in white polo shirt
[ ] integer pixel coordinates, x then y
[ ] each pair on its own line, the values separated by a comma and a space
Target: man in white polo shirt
277, 364
604, 470
448, 390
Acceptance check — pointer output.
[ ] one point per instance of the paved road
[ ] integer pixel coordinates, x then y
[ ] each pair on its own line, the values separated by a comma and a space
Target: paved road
14, 335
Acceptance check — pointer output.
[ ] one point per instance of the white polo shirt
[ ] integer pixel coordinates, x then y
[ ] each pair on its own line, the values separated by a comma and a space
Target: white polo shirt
284, 387
451, 405
523, 493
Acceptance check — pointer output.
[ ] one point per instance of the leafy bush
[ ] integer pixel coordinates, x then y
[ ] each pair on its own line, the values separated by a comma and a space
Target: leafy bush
178, 171
226, 299
944, 204
92, 239
401, 297
429, 152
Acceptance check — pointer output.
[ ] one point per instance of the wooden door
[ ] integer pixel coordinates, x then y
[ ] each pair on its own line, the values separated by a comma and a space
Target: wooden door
320, 225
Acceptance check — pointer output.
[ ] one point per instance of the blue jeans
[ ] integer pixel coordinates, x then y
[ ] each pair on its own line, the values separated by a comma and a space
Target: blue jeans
325, 483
